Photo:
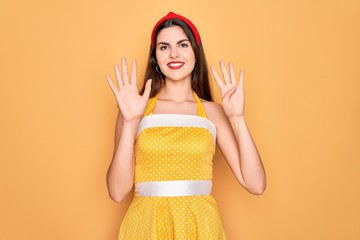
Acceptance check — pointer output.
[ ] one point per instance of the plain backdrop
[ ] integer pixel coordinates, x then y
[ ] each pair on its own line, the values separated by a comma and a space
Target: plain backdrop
302, 83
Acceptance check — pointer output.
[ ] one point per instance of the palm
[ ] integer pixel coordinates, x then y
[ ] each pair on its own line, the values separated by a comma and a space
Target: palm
131, 103
232, 94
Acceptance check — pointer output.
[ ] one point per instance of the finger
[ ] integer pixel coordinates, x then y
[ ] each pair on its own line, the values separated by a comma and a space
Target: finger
241, 81
224, 72
232, 74
147, 89
124, 71
133, 72
118, 76
111, 84
228, 94
216, 76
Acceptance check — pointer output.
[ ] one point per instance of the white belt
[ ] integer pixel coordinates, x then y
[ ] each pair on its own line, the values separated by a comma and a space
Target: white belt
173, 188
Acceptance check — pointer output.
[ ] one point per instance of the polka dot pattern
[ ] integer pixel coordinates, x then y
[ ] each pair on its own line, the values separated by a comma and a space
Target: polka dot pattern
173, 153
180, 218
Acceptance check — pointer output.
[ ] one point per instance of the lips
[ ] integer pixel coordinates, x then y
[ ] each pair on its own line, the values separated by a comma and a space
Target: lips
175, 65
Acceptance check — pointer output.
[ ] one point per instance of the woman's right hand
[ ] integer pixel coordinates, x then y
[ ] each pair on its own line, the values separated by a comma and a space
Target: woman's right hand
132, 105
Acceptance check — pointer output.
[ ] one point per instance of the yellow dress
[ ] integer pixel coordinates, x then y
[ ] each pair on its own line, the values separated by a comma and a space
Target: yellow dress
172, 147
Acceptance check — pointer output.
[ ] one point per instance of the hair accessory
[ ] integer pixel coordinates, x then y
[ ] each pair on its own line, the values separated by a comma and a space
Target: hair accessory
171, 15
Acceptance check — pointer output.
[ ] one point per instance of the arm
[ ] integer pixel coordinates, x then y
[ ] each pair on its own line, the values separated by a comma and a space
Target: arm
234, 138
120, 175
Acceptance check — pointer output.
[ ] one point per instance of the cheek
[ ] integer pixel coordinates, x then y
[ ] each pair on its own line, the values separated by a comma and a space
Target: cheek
159, 56
191, 56
192, 59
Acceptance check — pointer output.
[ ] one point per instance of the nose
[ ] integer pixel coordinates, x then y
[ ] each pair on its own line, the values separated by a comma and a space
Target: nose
174, 53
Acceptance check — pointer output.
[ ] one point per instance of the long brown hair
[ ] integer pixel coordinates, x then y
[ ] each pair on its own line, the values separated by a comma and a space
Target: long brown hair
199, 78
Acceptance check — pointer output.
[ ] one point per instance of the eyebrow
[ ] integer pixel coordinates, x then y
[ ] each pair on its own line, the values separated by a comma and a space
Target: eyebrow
181, 41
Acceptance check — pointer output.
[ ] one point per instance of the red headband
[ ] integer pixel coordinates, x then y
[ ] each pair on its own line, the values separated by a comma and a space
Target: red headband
171, 15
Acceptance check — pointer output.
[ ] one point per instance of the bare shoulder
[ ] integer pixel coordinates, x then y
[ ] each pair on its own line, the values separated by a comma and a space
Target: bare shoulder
214, 112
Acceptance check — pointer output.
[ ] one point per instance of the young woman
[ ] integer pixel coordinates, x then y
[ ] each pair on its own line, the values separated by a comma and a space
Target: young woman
165, 138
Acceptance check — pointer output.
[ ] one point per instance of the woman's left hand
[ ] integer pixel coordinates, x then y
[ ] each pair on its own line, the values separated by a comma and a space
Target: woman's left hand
232, 93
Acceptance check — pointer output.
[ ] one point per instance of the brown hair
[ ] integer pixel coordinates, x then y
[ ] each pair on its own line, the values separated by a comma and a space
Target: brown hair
199, 78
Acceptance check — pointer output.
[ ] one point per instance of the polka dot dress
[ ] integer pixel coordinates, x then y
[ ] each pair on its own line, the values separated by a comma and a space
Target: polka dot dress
173, 151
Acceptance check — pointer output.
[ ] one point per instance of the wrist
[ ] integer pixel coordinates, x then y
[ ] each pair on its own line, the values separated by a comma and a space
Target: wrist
134, 123
239, 117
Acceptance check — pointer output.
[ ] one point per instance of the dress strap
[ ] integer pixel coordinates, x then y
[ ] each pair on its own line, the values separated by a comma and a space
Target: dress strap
200, 108
151, 104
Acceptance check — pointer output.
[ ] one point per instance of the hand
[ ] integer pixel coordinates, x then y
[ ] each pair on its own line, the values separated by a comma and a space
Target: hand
232, 94
132, 105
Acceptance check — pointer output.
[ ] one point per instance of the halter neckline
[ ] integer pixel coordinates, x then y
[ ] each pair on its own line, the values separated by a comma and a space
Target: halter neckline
152, 102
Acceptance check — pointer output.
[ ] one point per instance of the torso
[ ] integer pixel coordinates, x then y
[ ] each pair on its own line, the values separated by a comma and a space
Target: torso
168, 143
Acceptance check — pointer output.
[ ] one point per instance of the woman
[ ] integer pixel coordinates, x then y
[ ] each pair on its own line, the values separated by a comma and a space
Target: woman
165, 139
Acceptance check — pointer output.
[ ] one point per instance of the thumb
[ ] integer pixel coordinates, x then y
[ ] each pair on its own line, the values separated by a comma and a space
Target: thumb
147, 88
228, 94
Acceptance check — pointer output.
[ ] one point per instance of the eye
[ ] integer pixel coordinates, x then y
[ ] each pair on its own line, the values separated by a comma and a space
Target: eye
163, 47
184, 45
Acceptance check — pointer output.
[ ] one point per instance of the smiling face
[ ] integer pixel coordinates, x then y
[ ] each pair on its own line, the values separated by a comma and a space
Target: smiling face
174, 54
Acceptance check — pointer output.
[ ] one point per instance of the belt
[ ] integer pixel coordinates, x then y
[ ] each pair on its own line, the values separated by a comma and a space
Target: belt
173, 188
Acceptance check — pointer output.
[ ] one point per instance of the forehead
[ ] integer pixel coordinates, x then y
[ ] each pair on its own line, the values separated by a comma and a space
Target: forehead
173, 33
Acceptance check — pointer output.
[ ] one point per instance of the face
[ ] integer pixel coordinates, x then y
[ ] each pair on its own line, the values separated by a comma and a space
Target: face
174, 54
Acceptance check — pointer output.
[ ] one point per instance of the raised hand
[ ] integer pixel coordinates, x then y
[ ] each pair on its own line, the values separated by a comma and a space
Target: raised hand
132, 105
232, 93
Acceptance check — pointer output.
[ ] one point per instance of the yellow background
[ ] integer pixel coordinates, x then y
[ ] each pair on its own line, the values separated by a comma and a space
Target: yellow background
302, 85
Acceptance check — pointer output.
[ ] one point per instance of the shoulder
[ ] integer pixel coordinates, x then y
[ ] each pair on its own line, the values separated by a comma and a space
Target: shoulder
214, 112
211, 107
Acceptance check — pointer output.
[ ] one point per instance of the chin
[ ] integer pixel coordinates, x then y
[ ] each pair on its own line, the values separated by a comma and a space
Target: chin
178, 77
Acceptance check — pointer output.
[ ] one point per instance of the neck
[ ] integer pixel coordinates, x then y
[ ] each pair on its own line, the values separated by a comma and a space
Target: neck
177, 91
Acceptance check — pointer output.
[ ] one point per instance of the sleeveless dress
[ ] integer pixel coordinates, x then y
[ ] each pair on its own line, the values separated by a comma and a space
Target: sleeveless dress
173, 147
